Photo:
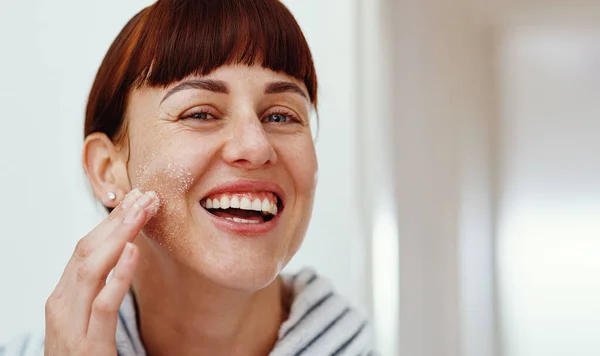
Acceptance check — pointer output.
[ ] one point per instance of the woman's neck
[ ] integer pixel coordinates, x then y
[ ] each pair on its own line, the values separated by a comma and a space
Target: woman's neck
181, 313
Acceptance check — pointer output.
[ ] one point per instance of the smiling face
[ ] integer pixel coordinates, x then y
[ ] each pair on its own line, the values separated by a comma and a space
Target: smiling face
231, 156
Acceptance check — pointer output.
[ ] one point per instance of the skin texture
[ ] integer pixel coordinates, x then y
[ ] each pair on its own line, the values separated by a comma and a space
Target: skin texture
201, 288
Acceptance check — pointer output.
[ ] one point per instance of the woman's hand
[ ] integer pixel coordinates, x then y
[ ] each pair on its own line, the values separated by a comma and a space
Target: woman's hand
82, 312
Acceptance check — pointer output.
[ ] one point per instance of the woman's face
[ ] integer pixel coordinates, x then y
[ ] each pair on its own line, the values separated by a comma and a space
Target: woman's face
232, 158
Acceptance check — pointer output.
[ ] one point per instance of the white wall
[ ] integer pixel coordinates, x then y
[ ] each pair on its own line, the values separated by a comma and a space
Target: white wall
50, 53
442, 114
464, 188
549, 212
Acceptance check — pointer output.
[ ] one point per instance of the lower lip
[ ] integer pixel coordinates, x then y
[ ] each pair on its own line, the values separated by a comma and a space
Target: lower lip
246, 229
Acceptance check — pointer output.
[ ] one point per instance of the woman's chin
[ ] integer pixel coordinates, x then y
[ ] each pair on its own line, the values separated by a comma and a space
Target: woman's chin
249, 279
241, 269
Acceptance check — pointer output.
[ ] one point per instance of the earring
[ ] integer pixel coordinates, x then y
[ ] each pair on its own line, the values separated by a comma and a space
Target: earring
111, 196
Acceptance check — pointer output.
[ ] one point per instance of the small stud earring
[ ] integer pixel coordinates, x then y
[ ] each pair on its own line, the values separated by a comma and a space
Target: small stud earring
112, 196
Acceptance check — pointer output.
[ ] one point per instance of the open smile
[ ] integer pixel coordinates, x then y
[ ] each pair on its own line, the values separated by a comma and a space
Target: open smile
245, 207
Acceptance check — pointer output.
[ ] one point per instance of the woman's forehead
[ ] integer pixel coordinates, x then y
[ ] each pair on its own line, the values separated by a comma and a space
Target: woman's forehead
229, 79
239, 74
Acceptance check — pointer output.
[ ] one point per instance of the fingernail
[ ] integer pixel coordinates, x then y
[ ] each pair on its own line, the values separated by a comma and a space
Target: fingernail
132, 213
131, 198
152, 209
146, 199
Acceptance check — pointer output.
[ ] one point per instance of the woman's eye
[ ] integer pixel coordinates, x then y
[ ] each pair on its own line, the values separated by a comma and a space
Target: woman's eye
200, 116
278, 118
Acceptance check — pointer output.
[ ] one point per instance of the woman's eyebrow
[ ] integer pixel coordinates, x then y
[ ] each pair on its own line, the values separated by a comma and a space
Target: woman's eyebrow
284, 87
217, 86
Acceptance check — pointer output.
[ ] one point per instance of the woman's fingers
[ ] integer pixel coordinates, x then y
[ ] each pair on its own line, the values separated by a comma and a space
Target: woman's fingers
107, 226
89, 275
86, 246
94, 257
105, 307
105, 254
65, 304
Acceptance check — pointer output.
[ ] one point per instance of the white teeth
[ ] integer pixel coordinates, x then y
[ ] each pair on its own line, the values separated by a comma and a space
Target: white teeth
235, 202
266, 206
224, 203
245, 204
244, 221
229, 219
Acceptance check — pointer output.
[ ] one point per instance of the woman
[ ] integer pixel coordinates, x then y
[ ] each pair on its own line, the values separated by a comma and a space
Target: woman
198, 140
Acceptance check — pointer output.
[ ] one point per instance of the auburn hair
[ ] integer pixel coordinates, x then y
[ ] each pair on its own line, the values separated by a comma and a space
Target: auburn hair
173, 39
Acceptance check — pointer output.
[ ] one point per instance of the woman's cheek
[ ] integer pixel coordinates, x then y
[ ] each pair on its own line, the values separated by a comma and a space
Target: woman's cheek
171, 182
301, 160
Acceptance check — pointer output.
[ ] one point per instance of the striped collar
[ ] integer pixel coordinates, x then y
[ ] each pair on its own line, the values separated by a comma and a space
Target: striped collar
321, 322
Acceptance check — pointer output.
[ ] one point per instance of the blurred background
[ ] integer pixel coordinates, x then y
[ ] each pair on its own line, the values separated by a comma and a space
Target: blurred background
459, 184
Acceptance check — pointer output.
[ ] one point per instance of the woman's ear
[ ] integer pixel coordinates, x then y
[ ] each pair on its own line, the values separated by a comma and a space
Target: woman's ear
106, 168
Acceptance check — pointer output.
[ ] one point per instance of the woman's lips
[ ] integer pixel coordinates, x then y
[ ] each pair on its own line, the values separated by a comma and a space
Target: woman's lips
244, 207
248, 226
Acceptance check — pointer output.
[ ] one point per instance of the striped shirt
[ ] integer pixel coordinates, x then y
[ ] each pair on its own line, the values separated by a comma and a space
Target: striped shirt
320, 322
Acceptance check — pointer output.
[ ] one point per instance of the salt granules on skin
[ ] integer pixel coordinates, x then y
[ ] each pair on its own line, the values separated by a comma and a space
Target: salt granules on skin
171, 182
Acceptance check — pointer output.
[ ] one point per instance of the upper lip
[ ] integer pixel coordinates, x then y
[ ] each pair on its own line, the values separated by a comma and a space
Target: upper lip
247, 186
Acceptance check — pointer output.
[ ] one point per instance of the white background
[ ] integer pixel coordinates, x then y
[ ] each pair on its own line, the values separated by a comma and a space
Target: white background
49, 56
549, 207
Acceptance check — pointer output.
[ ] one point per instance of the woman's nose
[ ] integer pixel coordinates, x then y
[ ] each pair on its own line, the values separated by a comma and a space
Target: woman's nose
249, 146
